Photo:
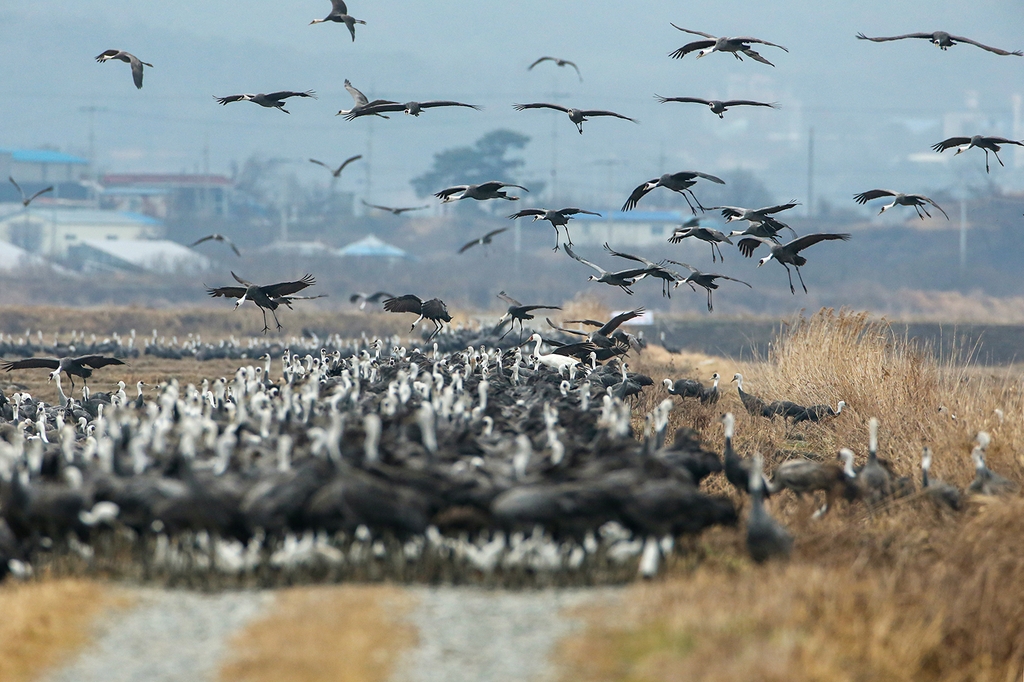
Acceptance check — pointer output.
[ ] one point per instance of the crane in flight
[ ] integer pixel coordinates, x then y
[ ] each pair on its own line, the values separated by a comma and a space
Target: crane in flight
265, 297
577, 116
558, 62
26, 200
943, 41
128, 58
733, 46
985, 143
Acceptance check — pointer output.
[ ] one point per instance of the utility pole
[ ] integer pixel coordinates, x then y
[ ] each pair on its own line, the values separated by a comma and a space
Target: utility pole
810, 172
92, 110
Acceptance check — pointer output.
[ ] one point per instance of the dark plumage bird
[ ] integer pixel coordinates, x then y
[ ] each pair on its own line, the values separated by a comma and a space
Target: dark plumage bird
706, 280
272, 100
764, 216
434, 310
128, 58
481, 192
751, 403
266, 297
603, 336
81, 366
941, 493
816, 413
518, 312
394, 211
559, 218
766, 537
656, 270
710, 236
558, 62
789, 253
918, 201
943, 41
217, 238
986, 481
362, 299
26, 200
336, 172
983, 142
360, 101
577, 116
874, 480
680, 182
486, 239
734, 46
339, 13
737, 469
410, 108
718, 106
692, 388
623, 279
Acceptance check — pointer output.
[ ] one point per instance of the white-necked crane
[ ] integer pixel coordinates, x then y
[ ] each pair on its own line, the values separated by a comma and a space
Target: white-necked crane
559, 218
363, 298
481, 192
217, 237
434, 310
271, 100
81, 366
265, 297
604, 335
360, 101
983, 142
766, 537
705, 234
789, 253
410, 108
733, 46
560, 359
517, 312
26, 200
558, 62
705, 280
692, 388
128, 58
339, 13
577, 116
393, 210
336, 172
680, 182
623, 279
757, 216
986, 481
918, 201
941, 493
483, 241
943, 41
667, 277
718, 106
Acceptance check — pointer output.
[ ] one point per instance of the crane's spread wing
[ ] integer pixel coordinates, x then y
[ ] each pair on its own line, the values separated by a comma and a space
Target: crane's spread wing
31, 363
691, 100
613, 324
1002, 140
136, 71
542, 59
508, 299
924, 198
447, 103
885, 39
573, 255
706, 176
17, 187
731, 279
639, 193
42, 191
226, 292
628, 256
865, 197
695, 33
338, 7
746, 40
445, 193
494, 232
950, 142
374, 108
576, 211
382, 208
748, 245
286, 288
349, 160
97, 361
229, 98
321, 163
574, 349
776, 209
526, 212
435, 309
684, 265
107, 54
568, 331
691, 47
529, 308
801, 243
375, 298
540, 105
242, 281
285, 94
749, 103
357, 97
495, 185
600, 112
404, 304
995, 50
203, 239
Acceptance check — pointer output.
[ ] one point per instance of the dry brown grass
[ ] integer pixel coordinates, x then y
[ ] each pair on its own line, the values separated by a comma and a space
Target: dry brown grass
43, 623
349, 633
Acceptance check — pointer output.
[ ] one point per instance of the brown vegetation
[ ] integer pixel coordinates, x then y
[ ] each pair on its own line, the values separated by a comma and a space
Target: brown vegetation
44, 623
350, 633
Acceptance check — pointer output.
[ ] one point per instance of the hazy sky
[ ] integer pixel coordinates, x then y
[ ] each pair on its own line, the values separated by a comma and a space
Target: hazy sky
873, 106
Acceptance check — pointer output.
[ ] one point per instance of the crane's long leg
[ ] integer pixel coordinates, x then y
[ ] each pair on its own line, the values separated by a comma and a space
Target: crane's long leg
711, 306
556, 236
712, 251
996, 154
276, 321
703, 210
986, 160
567, 236
801, 278
683, 192
266, 327
790, 275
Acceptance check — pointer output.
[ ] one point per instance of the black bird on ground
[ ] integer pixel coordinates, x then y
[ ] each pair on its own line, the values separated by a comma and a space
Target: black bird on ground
26, 200
623, 279
486, 239
734, 46
81, 366
559, 218
558, 62
680, 182
737, 469
692, 388
518, 311
718, 106
918, 201
983, 142
394, 211
217, 238
272, 100
410, 108
265, 297
766, 537
434, 310
943, 41
362, 299
339, 13
789, 253
706, 280
128, 58
336, 172
577, 116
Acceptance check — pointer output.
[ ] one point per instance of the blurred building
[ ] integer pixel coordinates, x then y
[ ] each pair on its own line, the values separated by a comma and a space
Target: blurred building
624, 229
35, 169
135, 255
51, 229
168, 196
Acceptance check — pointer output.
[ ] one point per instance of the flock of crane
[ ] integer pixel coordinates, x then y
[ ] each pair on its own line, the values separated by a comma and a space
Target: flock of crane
475, 457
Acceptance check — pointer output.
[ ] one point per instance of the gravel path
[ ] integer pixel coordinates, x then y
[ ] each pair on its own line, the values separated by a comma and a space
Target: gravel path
168, 636
474, 635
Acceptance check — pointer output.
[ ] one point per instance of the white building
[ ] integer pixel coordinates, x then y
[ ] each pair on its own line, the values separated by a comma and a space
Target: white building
137, 255
51, 230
